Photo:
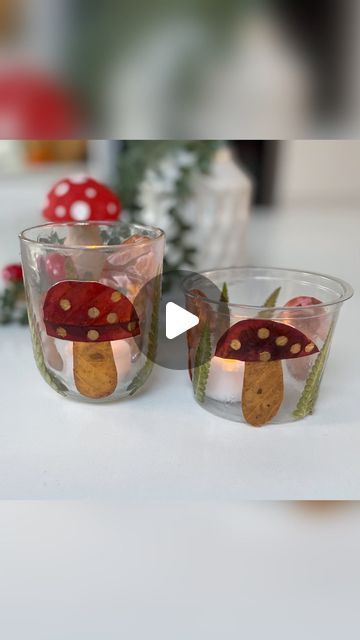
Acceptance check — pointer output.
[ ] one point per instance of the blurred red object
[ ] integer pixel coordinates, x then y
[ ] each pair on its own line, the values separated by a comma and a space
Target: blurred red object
12, 273
33, 105
81, 199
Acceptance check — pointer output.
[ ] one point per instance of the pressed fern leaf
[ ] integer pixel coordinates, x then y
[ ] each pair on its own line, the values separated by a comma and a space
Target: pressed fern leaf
222, 321
140, 377
202, 364
270, 302
307, 400
145, 371
48, 376
224, 296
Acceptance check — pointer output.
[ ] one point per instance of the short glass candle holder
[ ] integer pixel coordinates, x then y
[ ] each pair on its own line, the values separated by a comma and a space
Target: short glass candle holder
258, 354
93, 291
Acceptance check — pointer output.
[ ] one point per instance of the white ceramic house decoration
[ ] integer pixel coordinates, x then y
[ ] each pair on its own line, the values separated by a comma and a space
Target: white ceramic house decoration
220, 207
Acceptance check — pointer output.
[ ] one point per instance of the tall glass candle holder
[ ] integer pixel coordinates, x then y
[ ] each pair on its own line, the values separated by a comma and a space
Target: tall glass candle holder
93, 291
267, 341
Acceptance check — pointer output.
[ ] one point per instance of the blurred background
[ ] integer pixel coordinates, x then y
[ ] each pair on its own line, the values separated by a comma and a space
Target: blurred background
214, 199
252, 68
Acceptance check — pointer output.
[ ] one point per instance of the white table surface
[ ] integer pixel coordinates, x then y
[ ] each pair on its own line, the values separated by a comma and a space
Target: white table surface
178, 571
161, 444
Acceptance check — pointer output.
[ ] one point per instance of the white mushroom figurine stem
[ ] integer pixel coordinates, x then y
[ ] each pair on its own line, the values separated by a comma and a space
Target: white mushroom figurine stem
83, 200
262, 344
88, 263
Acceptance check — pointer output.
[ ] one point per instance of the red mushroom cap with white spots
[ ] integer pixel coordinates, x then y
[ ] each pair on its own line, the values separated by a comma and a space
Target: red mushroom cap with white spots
81, 199
89, 312
259, 340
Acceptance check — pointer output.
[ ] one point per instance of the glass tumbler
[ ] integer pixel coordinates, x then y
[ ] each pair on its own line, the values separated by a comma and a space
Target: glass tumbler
93, 291
258, 353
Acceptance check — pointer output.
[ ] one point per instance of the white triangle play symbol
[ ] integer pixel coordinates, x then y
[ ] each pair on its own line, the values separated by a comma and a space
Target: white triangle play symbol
178, 320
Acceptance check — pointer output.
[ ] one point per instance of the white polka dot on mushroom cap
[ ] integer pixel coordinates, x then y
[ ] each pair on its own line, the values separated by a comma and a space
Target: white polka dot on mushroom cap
60, 211
112, 208
62, 189
90, 192
80, 211
78, 179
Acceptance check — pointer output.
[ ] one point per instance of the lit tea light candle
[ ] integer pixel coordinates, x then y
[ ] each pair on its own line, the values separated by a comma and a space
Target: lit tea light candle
122, 356
121, 352
52, 354
225, 380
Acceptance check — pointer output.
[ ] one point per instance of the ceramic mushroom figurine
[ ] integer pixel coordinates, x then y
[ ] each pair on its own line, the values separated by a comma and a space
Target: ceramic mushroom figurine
262, 344
83, 199
91, 315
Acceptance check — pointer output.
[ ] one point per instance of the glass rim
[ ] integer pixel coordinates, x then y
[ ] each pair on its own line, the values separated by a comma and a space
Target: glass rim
100, 247
348, 291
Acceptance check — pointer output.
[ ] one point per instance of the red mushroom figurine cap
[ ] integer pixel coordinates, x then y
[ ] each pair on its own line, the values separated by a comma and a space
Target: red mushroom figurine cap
89, 312
81, 199
260, 340
12, 273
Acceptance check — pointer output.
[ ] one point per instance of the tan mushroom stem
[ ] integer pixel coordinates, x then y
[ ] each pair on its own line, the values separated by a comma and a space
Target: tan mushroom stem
263, 391
94, 369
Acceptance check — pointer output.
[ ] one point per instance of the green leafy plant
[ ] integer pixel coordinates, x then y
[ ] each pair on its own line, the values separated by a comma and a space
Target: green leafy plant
306, 402
139, 157
145, 371
202, 364
112, 237
52, 238
10, 310
48, 375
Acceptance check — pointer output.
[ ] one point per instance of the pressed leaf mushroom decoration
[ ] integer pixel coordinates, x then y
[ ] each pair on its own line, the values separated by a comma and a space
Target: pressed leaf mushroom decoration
91, 315
262, 344
314, 321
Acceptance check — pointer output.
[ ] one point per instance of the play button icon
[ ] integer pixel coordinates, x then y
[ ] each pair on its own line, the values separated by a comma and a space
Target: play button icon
164, 333
178, 320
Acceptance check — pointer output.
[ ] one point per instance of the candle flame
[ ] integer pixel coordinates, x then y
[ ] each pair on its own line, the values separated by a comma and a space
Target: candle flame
231, 365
